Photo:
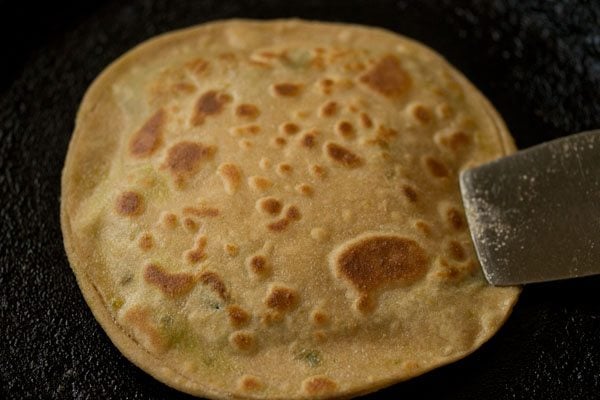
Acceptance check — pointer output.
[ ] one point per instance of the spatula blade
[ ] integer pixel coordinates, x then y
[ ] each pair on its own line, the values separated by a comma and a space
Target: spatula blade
535, 216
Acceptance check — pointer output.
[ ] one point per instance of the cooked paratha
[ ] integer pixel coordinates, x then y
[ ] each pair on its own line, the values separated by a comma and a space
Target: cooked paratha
271, 209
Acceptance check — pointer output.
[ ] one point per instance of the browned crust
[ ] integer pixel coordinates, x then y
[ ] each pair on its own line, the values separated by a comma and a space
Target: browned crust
89, 128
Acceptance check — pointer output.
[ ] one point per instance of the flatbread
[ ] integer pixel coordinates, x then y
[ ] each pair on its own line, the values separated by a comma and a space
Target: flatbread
271, 209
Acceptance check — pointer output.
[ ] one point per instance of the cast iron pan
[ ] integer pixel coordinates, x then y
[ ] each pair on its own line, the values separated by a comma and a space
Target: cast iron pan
538, 62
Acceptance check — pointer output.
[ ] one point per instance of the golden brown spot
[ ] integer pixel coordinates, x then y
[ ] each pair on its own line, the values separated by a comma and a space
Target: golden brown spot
456, 272
201, 242
289, 128
423, 227
194, 256
231, 249
245, 130
129, 204
264, 163
171, 284
210, 103
284, 169
304, 189
385, 134
365, 304
258, 265
249, 383
436, 167
281, 298
318, 171
328, 109
387, 77
270, 318
309, 139
169, 220
231, 175
279, 225
374, 261
326, 85
365, 120
345, 129
319, 318
409, 193
242, 340
456, 251
184, 158
279, 141
455, 219
259, 183
190, 224
238, 317
342, 155
293, 214
197, 66
269, 205
249, 111
421, 113
455, 141
201, 211
319, 385
139, 318
287, 89
213, 280
149, 137
146, 241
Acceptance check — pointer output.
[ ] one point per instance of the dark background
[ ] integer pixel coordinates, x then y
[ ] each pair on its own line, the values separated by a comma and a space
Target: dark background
538, 62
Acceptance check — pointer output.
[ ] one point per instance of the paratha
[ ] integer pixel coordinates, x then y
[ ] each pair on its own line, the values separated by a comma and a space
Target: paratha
271, 209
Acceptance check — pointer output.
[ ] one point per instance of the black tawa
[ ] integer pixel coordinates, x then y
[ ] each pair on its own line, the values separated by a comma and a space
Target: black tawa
537, 61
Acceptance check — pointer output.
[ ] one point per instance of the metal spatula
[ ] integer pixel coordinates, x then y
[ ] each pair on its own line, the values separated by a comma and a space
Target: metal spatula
535, 215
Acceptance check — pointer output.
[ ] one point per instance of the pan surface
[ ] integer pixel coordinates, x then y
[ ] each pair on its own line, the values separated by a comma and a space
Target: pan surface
537, 61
